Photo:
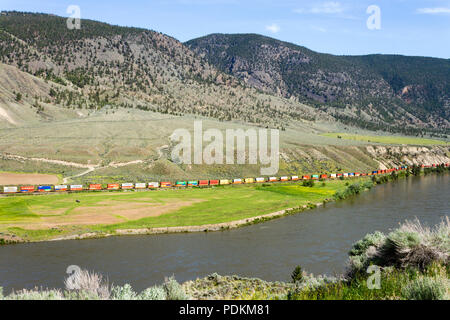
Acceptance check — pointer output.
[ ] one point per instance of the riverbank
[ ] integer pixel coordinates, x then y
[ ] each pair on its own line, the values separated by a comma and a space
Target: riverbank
176, 211
95, 215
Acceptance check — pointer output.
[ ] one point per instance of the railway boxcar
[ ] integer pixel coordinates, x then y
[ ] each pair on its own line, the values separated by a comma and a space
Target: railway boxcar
306, 177
27, 189
140, 185
193, 183
273, 179
126, 186
259, 180
214, 182
345, 175
166, 184
153, 185
284, 178
249, 180
95, 186
76, 187
113, 186
315, 176
323, 176
203, 183
44, 188
295, 178
61, 187
333, 176
10, 189
237, 181
181, 184
352, 174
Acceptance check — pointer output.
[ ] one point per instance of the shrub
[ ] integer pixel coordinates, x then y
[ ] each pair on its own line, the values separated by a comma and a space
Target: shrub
153, 293
426, 288
308, 183
173, 290
36, 295
123, 293
87, 285
411, 245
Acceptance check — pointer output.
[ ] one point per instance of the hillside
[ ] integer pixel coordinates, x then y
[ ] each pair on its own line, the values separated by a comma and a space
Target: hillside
101, 64
371, 91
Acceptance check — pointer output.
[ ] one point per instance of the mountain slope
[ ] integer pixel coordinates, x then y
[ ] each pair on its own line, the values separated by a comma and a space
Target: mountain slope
101, 64
388, 89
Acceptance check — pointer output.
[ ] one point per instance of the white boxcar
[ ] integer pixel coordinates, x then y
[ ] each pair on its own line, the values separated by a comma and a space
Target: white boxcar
127, 186
260, 179
9, 189
153, 184
76, 187
62, 187
333, 175
140, 186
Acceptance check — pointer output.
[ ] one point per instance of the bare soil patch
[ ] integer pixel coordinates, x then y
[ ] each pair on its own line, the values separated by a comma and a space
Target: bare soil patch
27, 178
108, 212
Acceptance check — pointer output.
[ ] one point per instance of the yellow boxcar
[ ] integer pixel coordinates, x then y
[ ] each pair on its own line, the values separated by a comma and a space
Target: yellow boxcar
249, 180
222, 182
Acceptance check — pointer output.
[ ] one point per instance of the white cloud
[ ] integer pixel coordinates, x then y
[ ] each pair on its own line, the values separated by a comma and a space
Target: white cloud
331, 7
433, 10
274, 28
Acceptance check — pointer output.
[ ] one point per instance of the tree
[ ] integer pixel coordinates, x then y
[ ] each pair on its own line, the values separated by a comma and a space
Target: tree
18, 96
297, 274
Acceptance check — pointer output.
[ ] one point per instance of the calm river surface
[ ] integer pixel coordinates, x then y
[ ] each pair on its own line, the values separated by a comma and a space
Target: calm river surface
318, 240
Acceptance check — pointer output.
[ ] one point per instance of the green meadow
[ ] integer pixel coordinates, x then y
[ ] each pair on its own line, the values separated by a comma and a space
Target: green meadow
386, 139
41, 217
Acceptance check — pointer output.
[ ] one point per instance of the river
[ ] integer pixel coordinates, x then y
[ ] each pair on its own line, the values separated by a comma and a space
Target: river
318, 240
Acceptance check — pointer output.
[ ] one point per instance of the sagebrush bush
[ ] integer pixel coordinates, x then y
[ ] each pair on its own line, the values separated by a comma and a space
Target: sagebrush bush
173, 290
426, 288
153, 293
85, 285
410, 245
124, 292
36, 294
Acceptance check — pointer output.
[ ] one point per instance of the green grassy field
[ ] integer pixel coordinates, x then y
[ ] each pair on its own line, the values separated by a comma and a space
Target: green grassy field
48, 216
387, 139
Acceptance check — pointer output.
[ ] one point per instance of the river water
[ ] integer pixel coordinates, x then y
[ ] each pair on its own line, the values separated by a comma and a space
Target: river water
318, 240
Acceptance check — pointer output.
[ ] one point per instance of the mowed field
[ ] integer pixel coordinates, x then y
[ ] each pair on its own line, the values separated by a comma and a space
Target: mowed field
8, 178
387, 139
50, 216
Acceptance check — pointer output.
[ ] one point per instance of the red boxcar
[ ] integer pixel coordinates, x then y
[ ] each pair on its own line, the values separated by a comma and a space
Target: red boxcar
213, 182
203, 183
95, 187
323, 176
113, 186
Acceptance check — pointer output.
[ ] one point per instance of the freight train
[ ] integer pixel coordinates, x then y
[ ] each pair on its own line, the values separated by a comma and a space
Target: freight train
189, 183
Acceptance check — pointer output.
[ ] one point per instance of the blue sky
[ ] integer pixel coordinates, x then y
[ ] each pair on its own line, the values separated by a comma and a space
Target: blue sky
408, 27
